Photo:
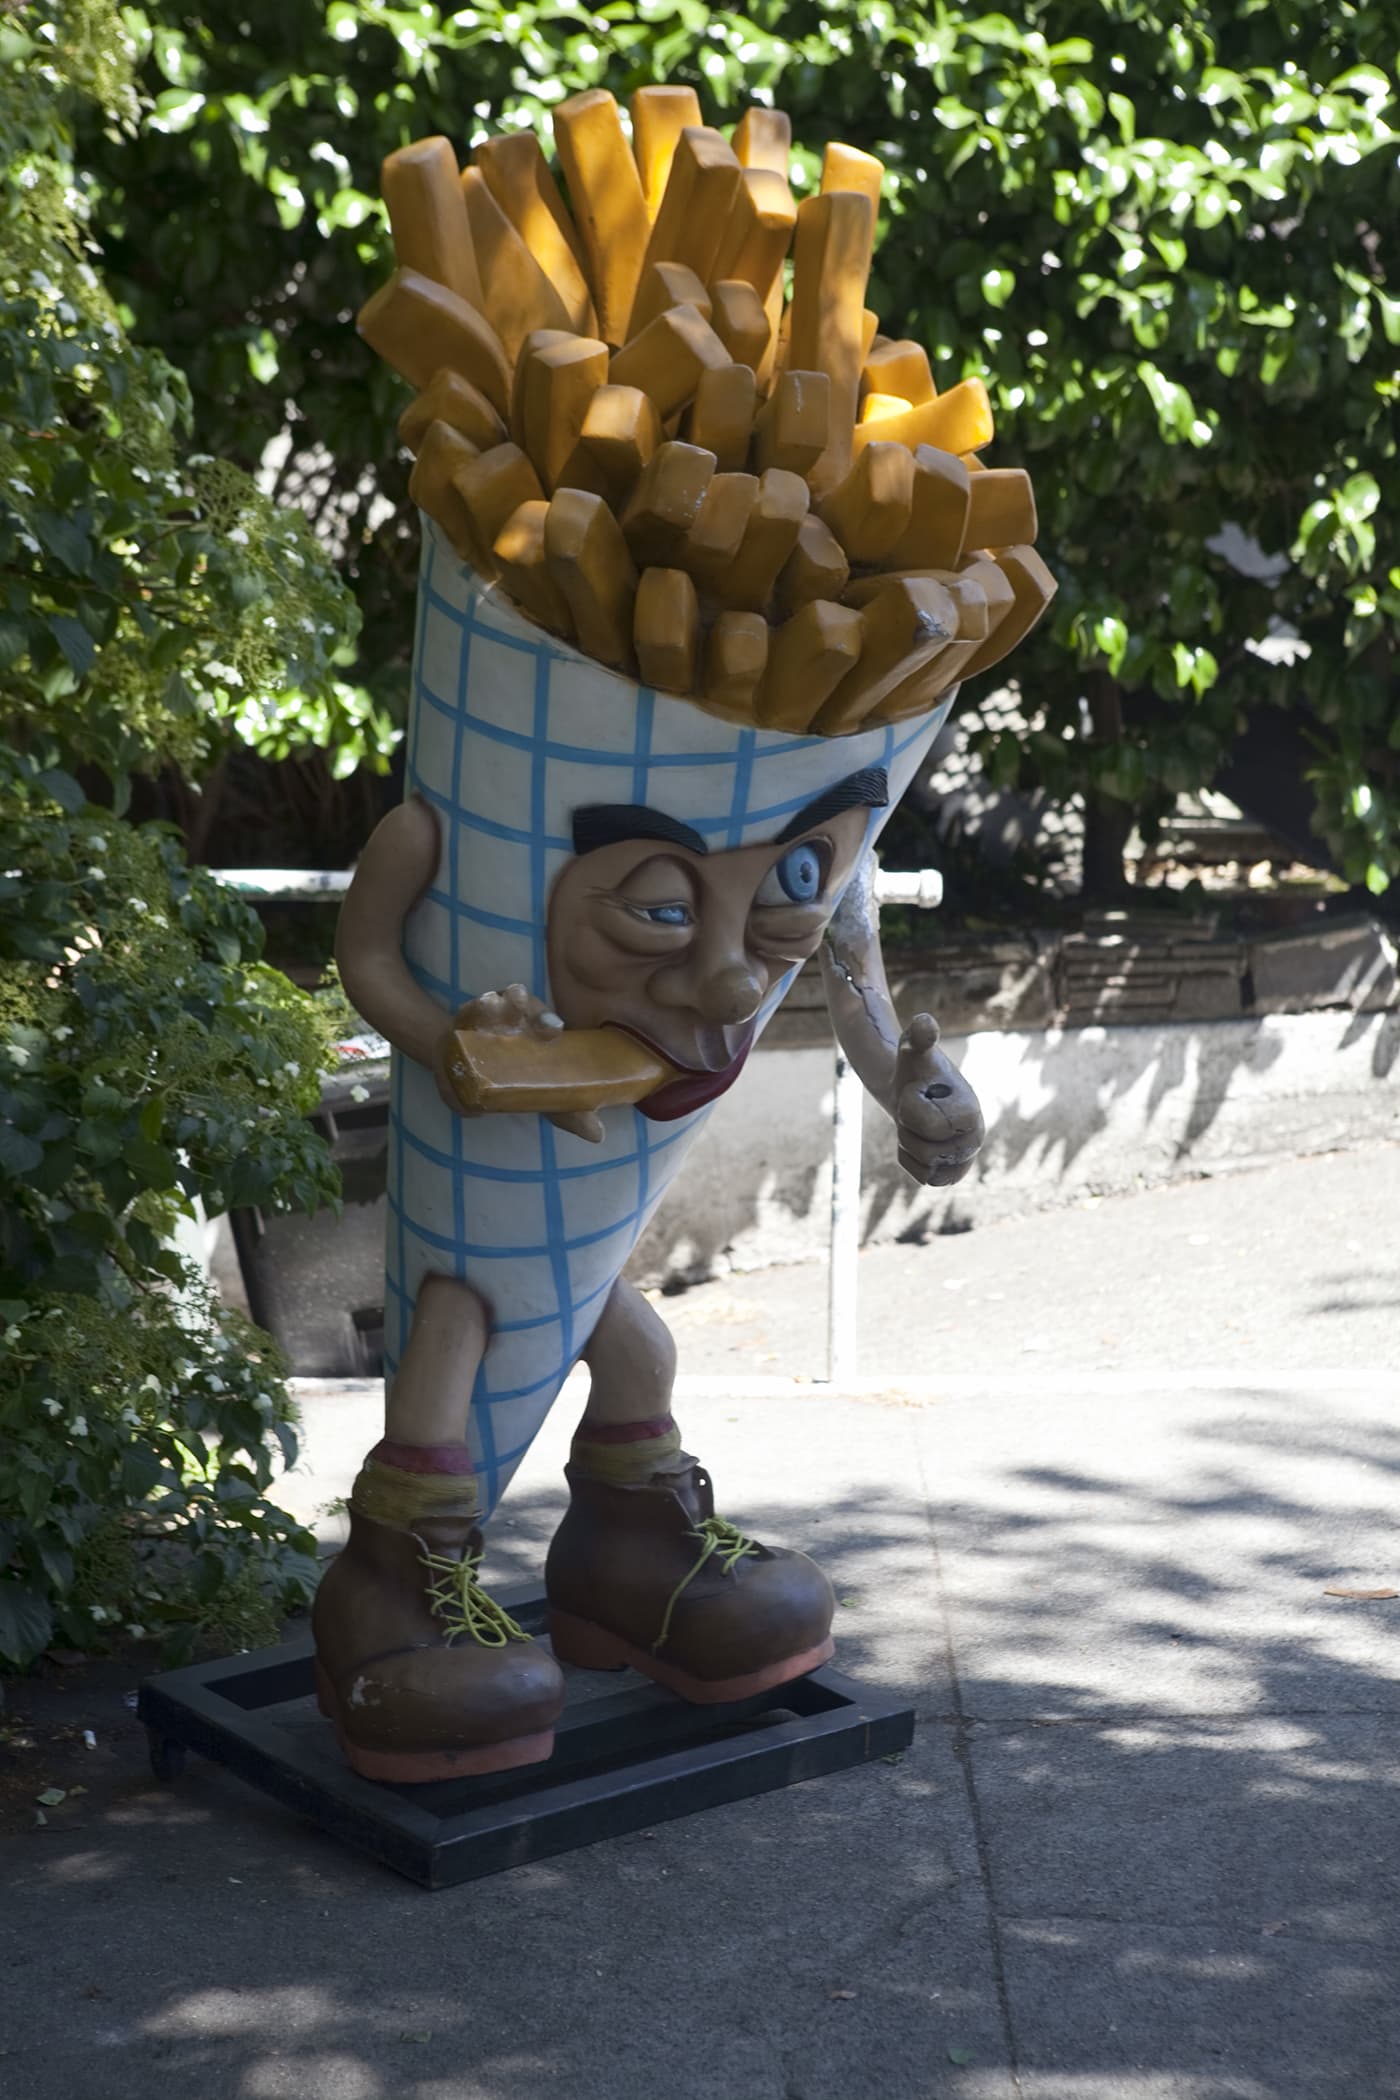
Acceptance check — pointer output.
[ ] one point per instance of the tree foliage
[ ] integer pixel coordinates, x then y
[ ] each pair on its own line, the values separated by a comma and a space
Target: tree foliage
1161, 233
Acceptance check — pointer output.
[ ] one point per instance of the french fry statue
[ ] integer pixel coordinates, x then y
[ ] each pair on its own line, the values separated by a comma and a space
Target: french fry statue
700, 574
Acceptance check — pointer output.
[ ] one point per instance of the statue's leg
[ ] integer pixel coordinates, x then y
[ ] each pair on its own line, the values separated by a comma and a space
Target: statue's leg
423, 1675
641, 1570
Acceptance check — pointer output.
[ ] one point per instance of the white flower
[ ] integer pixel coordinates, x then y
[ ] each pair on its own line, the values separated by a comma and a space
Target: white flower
52, 1407
216, 1199
97, 874
150, 1383
359, 1093
98, 845
137, 1632
79, 1425
138, 904
11, 1335
98, 1612
61, 1035
238, 537
214, 1382
293, 1068
18, 1053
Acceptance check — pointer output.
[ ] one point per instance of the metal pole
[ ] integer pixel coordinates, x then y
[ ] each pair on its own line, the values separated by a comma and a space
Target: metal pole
847, 1109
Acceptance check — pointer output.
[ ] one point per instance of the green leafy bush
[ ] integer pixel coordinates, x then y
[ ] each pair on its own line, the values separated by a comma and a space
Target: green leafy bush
147, 1058
149, 1061
1161, 233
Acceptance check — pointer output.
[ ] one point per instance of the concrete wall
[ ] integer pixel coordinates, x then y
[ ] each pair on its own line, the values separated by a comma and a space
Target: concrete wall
1069, 1113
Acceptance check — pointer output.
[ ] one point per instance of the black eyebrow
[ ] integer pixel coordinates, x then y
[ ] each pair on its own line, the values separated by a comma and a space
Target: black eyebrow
868, 789
609, 823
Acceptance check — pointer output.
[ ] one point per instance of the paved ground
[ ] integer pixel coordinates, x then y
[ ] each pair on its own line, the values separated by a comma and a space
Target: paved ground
1144, 1847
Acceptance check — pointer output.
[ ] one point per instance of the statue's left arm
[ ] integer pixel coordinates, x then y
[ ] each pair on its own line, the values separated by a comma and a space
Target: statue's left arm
934, 1110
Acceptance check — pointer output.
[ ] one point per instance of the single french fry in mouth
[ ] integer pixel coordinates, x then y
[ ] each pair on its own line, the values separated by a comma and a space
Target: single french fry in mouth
1033, 587
938, 513
620, 432
769, 538
613, 221
721, 415
736, 657
958, 421
899, 368
762, 138
587, 558
847, 168
564, 1074
794, 425
524, 571
816, 568
443, 453
518, 177
421, 188
1001, 508
869, 510
713, 542
560, 381
739, 320
905, 623
875, 407
808, 657
831, 263
519, 297
667, 358
449, 398
493, 486
659, 116
421, 328
661, 286
666, 503
701, 187
666, 630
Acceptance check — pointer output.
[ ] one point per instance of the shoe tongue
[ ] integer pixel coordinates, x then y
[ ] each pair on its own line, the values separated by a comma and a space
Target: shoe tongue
448, 1533
688, 1481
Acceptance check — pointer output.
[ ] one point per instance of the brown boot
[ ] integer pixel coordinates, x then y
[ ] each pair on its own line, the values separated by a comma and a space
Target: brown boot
645, 1573
423, 1675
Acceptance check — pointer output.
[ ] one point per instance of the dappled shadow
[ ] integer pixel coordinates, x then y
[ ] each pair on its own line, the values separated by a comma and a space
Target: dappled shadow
1179, 1847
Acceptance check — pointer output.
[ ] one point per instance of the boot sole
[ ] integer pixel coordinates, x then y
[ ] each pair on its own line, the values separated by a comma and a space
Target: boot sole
590, 1647
421, 1767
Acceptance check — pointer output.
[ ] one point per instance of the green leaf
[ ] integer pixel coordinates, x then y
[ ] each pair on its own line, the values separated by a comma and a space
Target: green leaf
19, 1155
75, 642
26, 1623
63, 788
66, 541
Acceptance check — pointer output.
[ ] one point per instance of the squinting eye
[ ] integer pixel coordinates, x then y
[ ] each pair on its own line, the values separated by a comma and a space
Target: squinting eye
796, 879
665, 914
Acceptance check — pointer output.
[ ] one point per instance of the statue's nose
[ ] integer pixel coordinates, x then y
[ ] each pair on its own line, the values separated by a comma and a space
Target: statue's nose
730, 995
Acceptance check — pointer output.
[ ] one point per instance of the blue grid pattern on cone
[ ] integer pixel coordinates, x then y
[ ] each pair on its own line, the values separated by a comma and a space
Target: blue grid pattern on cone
509, 732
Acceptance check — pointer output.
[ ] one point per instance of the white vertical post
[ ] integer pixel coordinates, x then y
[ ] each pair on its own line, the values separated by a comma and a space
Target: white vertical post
847, 1108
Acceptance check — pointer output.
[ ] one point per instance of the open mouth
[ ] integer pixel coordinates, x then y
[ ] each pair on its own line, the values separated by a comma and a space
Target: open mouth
696, 1086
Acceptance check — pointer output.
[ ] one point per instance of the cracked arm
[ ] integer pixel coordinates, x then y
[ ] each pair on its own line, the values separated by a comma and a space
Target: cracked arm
857, 992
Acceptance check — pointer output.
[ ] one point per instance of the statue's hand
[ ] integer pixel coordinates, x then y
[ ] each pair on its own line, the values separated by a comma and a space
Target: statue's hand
513, 1012
937, 1120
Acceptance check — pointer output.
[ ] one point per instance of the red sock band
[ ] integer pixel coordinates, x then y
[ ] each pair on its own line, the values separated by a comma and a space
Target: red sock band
623, 1432
422, 1458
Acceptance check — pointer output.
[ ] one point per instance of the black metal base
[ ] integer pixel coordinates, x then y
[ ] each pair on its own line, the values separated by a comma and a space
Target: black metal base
626, 1755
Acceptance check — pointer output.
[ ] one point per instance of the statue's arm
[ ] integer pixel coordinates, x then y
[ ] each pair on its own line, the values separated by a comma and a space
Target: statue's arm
393, 871
935, 1111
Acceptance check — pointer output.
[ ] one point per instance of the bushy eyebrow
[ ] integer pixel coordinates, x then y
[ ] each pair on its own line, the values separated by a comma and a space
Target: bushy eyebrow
867, 789
610, 823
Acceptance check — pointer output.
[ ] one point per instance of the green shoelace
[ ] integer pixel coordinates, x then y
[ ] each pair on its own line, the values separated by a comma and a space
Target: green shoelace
717, 1535
457, 1598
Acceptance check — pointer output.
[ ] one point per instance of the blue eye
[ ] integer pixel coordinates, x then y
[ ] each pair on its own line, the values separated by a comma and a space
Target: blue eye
667, 914
796, 879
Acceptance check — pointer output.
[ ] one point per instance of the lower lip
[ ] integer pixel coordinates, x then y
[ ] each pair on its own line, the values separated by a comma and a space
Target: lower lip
693, 1089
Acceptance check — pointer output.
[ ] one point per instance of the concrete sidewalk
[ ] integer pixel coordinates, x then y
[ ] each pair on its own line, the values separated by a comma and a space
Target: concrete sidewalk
1144, 1847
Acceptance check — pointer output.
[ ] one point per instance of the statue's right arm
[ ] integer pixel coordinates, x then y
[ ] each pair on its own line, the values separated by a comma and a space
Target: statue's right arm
393, 871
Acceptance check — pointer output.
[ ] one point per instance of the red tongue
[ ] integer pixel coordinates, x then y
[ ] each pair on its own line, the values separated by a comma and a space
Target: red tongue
692, 1090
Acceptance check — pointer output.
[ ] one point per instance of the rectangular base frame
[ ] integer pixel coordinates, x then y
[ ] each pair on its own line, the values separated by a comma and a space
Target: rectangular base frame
627, 1755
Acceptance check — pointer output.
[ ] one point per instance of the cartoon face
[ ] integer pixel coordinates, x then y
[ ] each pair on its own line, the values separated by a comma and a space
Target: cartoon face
651, 932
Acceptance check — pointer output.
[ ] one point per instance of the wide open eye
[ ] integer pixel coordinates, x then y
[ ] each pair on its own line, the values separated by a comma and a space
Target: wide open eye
798, 877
